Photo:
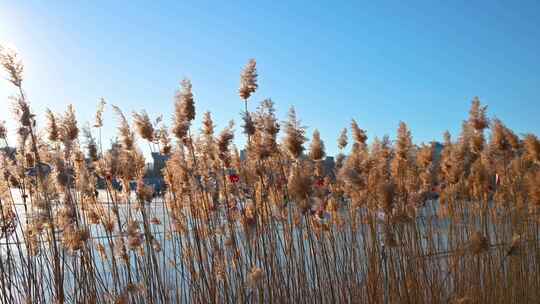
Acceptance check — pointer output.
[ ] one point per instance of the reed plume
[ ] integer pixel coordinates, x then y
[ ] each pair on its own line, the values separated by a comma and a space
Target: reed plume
127, 137
343, 139
143, 125
223, 143
294, 135
69, 131
99, 113
316, 149
359, 135
266, 129
248, 80
13, 65
184, 110
52, 126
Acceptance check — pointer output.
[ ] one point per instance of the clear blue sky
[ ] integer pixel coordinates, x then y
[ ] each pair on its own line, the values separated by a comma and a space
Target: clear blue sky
420, 62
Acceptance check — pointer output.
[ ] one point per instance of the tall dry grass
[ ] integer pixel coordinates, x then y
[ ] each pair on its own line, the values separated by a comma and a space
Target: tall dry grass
391, 222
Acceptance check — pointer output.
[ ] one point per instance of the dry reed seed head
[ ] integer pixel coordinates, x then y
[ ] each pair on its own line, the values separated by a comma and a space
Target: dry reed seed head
477, 115
52, 126
184, 111
22, 110
127, 138
225, 138
267, 117
248, 80
447, 138
145, 193
465, 137
316, 149
143, 125
125, 167
381, 153
477, 142
266, 130
512, 139
497, 140
340, 158
359, 135
134, 236
404, 141
185, 101
478, 243
61, 172
92, 151
479, 178
66, 217
257, 146
91, 145
532, 148
299, 185
425, 156
8, 221
207, 124
294, 135
236, 159
502, 140
343, 139
13, 65
351, 175
98, 123
223, 143
164, 140
249, 124
68, 125
107, 167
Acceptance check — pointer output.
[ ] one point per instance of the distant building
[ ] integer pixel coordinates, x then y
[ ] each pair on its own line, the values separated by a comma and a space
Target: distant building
243, 154
159, 162
153, 174
329, 165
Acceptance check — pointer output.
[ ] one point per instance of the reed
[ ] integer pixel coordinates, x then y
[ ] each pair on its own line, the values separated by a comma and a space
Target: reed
390, 222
